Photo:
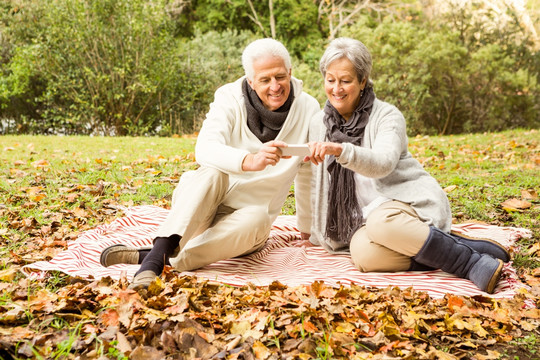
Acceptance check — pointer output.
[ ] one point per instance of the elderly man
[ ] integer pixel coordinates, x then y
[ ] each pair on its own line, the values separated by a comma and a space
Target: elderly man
226, 208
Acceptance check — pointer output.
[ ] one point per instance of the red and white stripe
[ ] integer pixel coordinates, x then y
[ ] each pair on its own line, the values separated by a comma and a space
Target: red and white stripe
284, 259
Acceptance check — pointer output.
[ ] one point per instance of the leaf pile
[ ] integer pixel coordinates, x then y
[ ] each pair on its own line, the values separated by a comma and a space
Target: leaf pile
182, 318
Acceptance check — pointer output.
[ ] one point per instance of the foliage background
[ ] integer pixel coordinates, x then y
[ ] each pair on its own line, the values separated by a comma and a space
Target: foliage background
150, 67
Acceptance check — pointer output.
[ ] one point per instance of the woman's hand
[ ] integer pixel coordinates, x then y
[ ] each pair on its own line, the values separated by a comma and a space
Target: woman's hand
321, 149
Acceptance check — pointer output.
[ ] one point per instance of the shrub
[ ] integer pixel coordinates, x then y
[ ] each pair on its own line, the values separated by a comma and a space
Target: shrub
214, 59
107, 67
111, 66
20, 87
444, 84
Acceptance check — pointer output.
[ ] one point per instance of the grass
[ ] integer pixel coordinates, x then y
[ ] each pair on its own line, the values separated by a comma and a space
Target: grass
54, 188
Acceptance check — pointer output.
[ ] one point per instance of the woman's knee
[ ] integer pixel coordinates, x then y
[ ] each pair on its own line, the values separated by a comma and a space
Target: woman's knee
366, 262
360, 250
368, 256
371, 256
387, 223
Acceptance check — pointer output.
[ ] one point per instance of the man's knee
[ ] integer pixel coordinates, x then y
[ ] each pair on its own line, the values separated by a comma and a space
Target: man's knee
258, 220
202, 179
258, 217
211, 176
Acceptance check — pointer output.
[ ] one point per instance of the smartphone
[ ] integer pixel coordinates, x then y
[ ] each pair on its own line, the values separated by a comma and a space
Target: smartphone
295, 150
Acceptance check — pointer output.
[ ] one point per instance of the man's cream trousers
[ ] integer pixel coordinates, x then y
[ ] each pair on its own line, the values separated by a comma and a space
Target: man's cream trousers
211, 231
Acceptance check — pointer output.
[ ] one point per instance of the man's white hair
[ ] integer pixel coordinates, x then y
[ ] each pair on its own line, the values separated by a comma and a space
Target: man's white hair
263, 48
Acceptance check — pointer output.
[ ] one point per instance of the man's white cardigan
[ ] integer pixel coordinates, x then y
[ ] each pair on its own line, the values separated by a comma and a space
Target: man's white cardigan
225, 139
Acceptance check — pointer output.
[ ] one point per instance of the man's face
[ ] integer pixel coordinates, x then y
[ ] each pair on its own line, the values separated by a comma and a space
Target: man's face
271, 82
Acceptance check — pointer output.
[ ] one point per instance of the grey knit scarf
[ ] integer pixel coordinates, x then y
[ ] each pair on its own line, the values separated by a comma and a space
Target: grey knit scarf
344, 216
263, 123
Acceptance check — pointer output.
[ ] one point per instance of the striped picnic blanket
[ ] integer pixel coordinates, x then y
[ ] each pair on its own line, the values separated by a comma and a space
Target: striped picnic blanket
285, 258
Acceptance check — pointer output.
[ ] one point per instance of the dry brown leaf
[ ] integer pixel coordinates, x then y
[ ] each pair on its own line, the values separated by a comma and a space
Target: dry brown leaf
450, 188
535, 248
8, 274
491, 355
123, 343
260, 350
515, 205
109, 317
146, 353
40, 163
529, 194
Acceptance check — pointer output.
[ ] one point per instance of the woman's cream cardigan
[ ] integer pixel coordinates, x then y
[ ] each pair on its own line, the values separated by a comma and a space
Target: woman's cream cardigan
385, 158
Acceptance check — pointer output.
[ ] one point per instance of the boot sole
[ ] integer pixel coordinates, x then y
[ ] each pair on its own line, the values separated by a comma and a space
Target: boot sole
495, 278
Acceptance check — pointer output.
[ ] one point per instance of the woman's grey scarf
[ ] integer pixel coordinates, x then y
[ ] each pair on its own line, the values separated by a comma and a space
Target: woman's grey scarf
344, 216
263, 123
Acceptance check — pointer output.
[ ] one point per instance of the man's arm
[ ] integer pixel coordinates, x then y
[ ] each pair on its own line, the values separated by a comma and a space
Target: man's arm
217, 146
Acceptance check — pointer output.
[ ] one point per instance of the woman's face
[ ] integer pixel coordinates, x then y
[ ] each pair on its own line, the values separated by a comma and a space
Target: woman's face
342, 86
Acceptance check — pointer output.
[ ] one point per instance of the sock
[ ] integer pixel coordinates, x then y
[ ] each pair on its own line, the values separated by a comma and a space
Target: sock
156, 258
143, 253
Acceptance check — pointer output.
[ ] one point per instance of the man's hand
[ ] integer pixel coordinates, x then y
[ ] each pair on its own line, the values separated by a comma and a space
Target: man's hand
268, 154
321, 149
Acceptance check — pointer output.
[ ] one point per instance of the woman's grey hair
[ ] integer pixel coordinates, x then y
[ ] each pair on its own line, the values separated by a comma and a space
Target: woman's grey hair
262, 48
352, 49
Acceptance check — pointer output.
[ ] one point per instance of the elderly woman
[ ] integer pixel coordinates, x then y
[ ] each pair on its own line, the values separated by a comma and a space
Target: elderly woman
370, 197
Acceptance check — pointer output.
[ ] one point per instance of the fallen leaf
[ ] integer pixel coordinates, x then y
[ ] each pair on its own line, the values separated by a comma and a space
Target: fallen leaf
515, 205
123, 343
534, 248
450, 188
8, 274
40, 163
529, 194
240, 328
260, 351
145, 353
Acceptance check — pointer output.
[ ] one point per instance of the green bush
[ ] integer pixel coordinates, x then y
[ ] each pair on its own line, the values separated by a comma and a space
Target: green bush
20, 83
111, 66
20, 87
446, 83
134, 67
296, 21
108, 67
214, 58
